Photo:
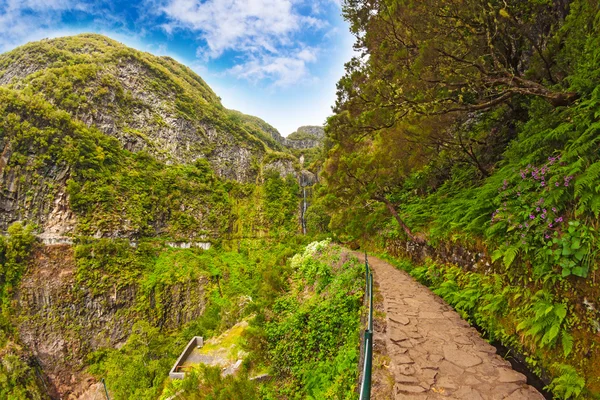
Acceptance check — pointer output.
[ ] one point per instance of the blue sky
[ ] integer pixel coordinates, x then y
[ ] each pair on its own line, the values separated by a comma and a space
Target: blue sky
276, 59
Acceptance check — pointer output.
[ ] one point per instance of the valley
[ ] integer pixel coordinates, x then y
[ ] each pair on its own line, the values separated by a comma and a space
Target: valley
462, 155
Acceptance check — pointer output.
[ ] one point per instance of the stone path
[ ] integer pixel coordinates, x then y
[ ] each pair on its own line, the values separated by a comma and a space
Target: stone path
434, 353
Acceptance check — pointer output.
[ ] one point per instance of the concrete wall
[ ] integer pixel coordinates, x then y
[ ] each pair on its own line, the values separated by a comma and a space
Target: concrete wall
196, 341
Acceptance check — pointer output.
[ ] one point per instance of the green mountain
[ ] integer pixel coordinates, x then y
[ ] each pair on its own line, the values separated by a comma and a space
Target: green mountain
104, 140
137, 209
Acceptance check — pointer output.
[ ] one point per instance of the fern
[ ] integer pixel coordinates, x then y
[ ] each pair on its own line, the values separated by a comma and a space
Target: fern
568, 385
546, 323
509, 256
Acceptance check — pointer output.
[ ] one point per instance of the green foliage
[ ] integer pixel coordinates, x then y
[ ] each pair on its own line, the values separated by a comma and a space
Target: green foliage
206, 383
19, 378
312, 327
545, 323
515, 178
281, 201
15, 250
568, 384
137, 370
312, 334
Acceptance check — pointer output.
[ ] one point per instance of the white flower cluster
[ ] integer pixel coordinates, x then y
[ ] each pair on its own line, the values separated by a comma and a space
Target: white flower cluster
299, 259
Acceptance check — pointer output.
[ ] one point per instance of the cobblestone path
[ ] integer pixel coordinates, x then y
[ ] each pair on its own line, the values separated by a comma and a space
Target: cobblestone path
434, 353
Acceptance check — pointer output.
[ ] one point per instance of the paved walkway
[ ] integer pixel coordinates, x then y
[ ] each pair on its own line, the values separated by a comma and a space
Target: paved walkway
434, 353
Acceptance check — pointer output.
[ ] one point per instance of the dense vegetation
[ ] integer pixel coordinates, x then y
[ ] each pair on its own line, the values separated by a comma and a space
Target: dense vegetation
462, 124
19, 378
477, 126
83, 140
304, 316
99, 80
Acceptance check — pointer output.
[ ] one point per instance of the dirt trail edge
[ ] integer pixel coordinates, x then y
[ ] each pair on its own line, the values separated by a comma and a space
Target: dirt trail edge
434, 353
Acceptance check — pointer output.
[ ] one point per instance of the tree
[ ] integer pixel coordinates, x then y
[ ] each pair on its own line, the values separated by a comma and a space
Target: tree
442, 56
362, 173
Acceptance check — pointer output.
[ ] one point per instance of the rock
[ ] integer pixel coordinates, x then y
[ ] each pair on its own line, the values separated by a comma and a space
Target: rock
467, 393
403, 359
232, 369
408, 389
510, 376
460, 357
399, 319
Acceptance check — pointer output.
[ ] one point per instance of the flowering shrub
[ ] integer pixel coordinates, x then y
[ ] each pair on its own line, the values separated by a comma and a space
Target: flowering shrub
311, 268
299, 259
531, 218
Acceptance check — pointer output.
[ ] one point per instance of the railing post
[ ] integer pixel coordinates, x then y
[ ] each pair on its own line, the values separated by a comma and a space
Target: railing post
371, 303
365, 388
105, 389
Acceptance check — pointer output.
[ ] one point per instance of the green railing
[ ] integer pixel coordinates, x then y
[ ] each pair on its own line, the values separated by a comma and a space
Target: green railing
365, 387
105, 389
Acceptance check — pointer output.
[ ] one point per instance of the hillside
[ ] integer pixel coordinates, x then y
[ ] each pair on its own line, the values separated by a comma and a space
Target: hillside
134, 207
464, 145
100, 139
147, 102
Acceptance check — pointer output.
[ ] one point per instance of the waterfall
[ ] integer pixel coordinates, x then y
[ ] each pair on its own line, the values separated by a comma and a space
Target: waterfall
304, 210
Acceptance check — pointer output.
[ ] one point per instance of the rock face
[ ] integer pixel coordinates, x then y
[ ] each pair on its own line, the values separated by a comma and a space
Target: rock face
154, 107
42, 199
306, 137
149, 103
284, 167
61, 321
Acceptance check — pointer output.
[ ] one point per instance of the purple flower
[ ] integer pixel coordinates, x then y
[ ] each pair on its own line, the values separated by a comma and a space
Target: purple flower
522, 235
554, 209
537, 209
544, 211
547, 236
556, 184
559, 219
526, 225
543, 216
520, 226
531, 216
543, 183
566, 183
519, 193
550, 225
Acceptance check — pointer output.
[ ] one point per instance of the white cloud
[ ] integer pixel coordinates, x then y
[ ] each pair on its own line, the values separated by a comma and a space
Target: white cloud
22, 21
240, 25
281, 70
266, 35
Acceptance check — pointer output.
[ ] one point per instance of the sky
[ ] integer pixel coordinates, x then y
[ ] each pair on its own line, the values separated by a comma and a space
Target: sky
276, 59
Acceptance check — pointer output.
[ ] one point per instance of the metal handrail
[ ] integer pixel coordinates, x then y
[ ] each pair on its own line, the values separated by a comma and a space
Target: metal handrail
365, 388
105, 389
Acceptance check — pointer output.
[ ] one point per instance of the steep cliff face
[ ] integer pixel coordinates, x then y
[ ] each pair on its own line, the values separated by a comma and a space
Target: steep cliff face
123, 152
306, 137
98, 139
62, 318
148, 103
